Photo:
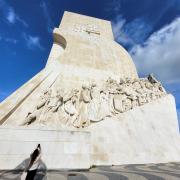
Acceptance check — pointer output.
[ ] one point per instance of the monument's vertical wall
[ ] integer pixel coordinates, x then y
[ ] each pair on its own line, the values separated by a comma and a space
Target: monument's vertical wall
90, 48
147, 134
60, 149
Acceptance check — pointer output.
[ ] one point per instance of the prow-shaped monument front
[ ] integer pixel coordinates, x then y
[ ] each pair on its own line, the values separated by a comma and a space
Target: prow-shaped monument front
88, 106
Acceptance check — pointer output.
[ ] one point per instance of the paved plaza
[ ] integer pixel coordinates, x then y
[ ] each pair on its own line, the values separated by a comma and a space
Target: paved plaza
170, 171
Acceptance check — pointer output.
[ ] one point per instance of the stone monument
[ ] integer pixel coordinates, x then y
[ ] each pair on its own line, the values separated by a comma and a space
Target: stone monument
88, 106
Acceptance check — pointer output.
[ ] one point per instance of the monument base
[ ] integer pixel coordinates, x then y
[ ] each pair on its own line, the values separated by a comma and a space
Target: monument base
60, 149
146, 134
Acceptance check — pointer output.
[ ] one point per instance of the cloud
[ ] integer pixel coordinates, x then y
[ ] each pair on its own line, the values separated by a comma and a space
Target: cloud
114, 6
138, 29
134, 28
11, 40
9, 14
22, 21
47, 16
160, 54
32, 42
118, 31
131, 33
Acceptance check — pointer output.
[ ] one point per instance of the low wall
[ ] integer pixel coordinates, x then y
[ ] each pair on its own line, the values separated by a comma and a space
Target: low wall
146, 134
60, 149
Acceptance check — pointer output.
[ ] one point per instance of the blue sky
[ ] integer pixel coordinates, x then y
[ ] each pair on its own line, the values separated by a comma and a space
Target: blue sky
148, 29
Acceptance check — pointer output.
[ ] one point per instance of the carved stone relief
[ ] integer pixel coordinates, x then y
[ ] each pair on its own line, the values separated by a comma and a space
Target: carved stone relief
93, 103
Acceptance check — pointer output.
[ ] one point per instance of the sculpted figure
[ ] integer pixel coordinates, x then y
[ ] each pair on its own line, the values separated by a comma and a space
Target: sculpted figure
134, 100
146, 86
152, 79
118, 100
93, 108
70, 106
33, 116
127, 104
153, 96
149, 91
85, 95
55, 102
111, 85
113, 89
121, 81
44, 98
128, 80
61, 114
84, 100
131, 94
137, 87
51, 106
110, 80
143, 87
162, 89
104, 108
141, 99
128, 90
142, 92
70, 103
158, 90
149, 85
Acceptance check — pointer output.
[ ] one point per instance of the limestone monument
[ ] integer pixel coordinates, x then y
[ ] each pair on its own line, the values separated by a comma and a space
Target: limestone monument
88, 106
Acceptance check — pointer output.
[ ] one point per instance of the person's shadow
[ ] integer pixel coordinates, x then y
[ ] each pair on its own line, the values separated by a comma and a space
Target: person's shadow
16, 173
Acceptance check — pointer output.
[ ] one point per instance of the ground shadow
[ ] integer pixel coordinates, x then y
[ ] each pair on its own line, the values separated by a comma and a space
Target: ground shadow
16, 173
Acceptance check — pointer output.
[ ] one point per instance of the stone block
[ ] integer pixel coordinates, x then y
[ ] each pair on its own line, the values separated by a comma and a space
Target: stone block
60, 149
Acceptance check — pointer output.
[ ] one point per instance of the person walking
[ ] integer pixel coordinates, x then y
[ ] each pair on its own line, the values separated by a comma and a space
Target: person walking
31, 170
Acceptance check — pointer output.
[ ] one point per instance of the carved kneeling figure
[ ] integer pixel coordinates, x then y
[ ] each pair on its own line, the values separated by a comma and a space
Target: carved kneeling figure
30, 118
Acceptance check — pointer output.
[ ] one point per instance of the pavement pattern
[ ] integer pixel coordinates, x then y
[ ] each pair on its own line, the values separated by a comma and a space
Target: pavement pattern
168, 171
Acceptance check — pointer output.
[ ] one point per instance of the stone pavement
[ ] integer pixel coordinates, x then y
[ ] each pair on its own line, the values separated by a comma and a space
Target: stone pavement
170, 171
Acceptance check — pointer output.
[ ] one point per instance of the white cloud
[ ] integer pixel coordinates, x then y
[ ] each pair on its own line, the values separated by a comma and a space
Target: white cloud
9, 14
118, 32
32, 42
135, 31
160, 54
114, 6
47, 16
22, 21
11, 40
131, 33
138, 29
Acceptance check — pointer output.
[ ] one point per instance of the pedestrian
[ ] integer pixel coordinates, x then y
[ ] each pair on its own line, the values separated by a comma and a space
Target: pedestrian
30, 172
